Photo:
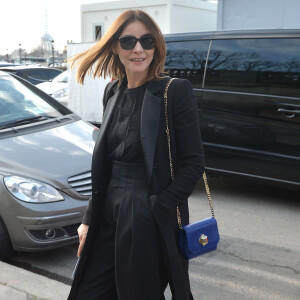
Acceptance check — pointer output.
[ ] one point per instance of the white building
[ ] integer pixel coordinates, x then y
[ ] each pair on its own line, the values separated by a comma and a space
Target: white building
258, 14
171, 15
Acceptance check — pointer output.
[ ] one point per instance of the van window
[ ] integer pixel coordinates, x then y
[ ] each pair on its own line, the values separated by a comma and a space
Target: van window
186, 59
265, 66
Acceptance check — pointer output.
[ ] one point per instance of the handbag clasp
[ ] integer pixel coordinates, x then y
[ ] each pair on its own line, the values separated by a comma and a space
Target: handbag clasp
203, 240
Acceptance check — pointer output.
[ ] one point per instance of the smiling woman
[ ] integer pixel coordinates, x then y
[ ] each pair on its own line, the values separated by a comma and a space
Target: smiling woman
135, 51
107, 61
128, 236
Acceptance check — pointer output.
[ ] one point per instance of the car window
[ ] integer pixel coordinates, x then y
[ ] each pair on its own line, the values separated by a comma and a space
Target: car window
51, 73
41, 74
22, 73
17, 102
37, 74
62, 77
266, 66
186, 59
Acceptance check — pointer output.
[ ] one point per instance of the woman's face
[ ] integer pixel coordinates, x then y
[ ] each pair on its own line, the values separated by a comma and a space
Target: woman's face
136, 60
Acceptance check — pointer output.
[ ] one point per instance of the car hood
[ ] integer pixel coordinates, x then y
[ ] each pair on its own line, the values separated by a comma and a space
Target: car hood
52, 87
50, 155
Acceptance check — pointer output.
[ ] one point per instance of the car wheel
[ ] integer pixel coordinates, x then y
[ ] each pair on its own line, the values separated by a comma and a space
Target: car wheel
6, 249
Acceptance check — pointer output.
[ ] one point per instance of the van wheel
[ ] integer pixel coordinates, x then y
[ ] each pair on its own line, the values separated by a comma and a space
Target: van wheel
6, 249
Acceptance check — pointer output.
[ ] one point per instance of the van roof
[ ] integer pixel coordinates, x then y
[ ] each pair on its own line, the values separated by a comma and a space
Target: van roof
229, 34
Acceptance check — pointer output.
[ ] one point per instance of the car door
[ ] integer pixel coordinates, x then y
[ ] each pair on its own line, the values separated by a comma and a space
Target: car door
251, 108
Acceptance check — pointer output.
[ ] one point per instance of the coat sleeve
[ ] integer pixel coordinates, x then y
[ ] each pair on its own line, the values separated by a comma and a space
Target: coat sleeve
106, 95
188, 149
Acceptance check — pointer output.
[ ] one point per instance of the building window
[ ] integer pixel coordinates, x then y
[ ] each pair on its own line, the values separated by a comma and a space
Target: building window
98, 32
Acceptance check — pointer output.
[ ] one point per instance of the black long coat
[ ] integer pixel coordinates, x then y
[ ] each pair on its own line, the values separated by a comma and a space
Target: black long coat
188, 163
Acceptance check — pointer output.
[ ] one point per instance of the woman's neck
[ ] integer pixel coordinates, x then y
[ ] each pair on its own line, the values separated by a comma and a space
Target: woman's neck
135, 80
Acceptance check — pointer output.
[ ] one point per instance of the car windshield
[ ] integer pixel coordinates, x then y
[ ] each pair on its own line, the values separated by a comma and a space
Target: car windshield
63, 77
17, 102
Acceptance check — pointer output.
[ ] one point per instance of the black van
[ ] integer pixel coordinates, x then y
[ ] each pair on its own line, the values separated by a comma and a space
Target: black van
247, 85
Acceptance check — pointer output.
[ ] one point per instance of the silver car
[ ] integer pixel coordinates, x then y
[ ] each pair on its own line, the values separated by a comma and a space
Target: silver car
57, 88
45, 160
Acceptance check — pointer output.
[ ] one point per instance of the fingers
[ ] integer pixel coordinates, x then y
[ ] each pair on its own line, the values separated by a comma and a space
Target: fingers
82, 238
82, 233
80, 247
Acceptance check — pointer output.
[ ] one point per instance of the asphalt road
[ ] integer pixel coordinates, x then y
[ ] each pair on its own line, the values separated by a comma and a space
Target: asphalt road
258, 256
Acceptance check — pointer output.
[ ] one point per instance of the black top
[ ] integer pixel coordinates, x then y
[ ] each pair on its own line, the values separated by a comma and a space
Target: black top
124, 143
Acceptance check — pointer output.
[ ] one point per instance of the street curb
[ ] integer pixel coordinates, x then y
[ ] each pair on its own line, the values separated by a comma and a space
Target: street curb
14, 280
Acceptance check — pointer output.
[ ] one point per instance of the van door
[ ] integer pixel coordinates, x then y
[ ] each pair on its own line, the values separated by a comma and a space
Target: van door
251, 108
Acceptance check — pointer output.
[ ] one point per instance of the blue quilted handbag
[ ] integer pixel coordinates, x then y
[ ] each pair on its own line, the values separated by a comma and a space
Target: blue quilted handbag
198, 238
202, 236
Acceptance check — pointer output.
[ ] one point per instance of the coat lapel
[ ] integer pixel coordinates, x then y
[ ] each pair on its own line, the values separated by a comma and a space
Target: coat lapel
149, 126
99, 151
109, 111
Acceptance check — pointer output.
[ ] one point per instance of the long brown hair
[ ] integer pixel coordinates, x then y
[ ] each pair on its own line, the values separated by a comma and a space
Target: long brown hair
101, 58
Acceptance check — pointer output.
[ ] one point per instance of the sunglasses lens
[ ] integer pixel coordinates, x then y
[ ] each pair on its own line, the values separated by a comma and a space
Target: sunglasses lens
127, 42
147, 42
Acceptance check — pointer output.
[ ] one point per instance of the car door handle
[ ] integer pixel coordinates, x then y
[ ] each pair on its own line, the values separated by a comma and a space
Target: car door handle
289, 113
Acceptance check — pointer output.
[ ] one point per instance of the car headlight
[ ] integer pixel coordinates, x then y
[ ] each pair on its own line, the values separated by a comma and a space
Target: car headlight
29, 190
60, 94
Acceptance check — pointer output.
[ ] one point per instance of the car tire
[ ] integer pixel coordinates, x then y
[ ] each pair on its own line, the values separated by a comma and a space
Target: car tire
6, 249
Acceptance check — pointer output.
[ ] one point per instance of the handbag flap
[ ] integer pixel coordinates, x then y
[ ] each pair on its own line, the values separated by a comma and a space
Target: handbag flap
208, 229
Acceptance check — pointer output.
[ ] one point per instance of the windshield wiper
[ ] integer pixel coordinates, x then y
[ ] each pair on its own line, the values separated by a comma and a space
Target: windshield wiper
24, 121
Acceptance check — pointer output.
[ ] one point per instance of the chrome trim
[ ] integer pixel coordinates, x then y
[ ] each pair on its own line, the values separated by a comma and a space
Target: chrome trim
212, 147
82, 183
249, 94
253, 176
206, 63
80, 176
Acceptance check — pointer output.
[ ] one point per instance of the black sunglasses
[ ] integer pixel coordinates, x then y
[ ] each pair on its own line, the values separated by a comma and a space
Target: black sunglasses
128, 42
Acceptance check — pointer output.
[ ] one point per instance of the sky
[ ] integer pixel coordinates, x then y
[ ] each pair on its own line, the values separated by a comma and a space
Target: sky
23, 22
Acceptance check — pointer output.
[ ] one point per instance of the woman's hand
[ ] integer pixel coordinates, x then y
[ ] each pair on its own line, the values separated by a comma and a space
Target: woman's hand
82, 233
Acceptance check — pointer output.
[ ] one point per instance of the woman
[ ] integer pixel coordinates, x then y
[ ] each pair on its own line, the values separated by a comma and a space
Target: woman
128, 248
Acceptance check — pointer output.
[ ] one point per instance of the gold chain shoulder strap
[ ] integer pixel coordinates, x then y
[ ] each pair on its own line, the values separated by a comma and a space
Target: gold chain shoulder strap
171, 161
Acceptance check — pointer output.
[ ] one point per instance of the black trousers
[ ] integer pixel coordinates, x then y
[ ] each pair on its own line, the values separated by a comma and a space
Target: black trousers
126, 257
